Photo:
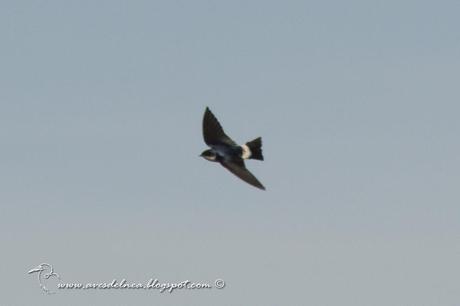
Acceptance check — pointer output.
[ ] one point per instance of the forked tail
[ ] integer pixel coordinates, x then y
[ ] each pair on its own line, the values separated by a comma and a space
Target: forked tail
255, 149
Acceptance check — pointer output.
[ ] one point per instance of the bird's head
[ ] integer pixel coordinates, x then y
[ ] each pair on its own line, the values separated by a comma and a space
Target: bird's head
209, 155
40, 268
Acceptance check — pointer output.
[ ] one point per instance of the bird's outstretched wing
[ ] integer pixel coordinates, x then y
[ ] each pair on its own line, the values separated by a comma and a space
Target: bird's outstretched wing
237, 167
213, 133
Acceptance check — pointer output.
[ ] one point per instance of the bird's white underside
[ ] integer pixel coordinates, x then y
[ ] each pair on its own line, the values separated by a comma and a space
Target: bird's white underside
246, 152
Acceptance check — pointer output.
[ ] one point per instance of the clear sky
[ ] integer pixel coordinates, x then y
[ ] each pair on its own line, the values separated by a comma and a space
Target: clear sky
357, 102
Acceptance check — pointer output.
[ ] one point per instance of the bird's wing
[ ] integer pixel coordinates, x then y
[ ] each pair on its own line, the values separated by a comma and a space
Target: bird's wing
237, 167
213, 133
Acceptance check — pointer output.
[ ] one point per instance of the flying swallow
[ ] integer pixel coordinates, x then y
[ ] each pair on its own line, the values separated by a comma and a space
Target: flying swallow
229, 154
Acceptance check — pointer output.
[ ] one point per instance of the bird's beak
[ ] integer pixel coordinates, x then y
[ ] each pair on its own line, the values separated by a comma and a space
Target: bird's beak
36, 269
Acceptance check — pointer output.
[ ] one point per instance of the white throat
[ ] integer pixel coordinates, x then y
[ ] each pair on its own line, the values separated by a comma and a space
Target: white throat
210, 158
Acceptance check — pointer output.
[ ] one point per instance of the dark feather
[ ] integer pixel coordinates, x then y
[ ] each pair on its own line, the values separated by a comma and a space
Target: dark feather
237, 167
213, 133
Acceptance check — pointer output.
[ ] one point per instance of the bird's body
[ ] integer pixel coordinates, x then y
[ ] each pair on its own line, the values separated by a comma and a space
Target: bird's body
228, 153
221, 153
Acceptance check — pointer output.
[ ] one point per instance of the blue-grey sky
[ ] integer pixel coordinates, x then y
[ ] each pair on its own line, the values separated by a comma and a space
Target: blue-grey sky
100, 130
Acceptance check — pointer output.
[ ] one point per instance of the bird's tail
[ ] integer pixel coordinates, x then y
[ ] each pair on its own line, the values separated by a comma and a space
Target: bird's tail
255, 149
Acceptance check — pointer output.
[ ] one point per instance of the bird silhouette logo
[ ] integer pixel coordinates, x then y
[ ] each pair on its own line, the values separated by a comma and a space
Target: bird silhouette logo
45, 272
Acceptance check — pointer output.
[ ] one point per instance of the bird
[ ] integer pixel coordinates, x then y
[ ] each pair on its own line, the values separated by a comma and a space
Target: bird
45, 271
227, 152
